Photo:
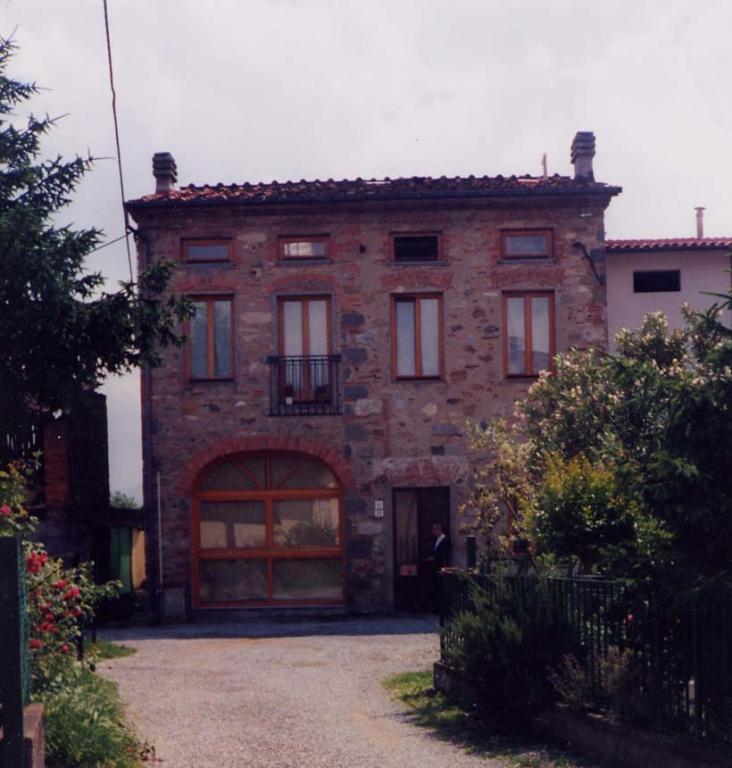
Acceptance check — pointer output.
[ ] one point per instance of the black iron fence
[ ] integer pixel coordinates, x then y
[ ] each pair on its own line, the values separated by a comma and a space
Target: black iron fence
679, 659
304, 386
14, 652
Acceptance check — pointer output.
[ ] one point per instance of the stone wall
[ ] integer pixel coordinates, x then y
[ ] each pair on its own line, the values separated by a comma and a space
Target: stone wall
391, 433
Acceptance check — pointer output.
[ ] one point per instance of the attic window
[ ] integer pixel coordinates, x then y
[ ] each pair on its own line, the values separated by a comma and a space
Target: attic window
296, 248
657, 281
421, 247
201, 251
527, 244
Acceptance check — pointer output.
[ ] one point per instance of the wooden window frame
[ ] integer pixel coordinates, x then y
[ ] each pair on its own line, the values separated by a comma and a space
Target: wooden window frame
210, 299
415, 298
529, 373
270, 552
428, 233
548, 232
283, 240
305, 320
187, 242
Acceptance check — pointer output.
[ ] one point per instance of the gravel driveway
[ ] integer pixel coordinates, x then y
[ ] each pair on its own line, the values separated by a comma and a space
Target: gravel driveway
288, 695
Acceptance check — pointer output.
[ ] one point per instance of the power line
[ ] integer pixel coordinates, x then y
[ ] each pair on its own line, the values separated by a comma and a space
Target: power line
116, 137
109, 242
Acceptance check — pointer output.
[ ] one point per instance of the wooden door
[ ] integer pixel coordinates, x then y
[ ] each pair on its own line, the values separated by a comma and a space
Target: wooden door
415, 511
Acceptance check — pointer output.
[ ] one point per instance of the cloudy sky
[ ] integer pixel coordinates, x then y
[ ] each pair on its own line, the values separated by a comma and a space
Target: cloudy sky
254, 90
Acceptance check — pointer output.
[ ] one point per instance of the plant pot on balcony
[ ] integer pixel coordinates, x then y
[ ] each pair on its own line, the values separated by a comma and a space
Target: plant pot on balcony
322, 394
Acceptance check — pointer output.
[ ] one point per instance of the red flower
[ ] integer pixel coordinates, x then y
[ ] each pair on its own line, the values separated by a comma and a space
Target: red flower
72, 593
5, 511
65, 648
629, 618
60, 584
76, 611
35, 643
35, 561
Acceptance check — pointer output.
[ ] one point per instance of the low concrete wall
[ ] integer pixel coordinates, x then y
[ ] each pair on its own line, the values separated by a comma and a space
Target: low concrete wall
624, 745
34, 736
597, 737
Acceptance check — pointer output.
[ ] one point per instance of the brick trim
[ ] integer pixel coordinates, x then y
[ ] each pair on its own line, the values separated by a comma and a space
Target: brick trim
328, 454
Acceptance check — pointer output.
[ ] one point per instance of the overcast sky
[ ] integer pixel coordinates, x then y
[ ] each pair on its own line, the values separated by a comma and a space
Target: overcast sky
255, 90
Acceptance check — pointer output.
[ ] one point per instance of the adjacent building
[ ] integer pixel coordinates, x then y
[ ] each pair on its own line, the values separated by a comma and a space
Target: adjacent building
300, 445
662, 275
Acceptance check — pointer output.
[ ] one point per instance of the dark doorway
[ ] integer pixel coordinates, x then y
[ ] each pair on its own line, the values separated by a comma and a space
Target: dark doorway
415, 510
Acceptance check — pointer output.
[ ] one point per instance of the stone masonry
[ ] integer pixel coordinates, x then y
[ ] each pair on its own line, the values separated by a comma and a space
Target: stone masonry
391, 434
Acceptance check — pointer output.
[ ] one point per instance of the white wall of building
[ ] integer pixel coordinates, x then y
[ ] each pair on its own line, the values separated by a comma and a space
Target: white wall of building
700, 271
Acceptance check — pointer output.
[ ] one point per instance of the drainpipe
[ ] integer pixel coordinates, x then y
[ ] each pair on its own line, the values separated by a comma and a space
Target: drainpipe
151, 500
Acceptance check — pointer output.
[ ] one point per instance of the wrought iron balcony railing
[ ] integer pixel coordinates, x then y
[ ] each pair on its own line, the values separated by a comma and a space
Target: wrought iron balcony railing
304, 386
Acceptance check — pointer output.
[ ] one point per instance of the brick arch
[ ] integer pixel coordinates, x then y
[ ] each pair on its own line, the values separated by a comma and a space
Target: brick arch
326, 453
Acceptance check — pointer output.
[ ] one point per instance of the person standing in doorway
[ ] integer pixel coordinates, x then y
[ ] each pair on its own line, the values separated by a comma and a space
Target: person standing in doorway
439, 559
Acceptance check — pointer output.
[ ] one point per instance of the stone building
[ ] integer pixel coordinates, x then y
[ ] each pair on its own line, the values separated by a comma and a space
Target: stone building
298, 448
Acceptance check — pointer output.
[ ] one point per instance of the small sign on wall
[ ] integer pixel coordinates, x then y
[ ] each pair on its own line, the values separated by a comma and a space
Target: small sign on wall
379, 508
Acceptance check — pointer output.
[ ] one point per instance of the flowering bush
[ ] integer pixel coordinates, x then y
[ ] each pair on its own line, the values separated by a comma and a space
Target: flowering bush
59, 598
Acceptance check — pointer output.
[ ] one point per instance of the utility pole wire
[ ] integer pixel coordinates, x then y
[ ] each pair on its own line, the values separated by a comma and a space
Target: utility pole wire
116, 137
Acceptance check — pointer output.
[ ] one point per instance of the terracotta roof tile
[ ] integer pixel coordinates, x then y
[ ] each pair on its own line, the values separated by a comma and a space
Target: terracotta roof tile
412, 188
670, 244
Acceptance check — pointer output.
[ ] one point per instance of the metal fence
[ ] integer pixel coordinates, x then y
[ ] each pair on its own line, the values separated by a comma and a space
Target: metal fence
14, 651
680, 658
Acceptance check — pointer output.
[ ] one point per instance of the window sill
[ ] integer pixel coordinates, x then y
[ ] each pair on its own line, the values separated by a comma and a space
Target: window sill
419, 378
207, 264
302, 262
528, 260
428, 263
229, 380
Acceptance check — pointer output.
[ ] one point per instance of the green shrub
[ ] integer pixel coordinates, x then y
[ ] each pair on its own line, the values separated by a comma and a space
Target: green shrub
621, 676
84, 723
507, 641
571, 683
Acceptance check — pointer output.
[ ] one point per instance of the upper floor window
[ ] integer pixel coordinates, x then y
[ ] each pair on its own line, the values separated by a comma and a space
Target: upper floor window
210, 339
528, 332
202, 251
304, 248
417, 336
657, 281
416, 247
527, 244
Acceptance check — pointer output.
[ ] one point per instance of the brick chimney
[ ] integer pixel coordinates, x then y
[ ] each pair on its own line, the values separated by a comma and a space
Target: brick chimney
165, 172
583, 150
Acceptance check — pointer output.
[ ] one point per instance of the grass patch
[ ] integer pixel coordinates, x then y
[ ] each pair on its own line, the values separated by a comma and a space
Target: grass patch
449, 721
85, 725
103, 649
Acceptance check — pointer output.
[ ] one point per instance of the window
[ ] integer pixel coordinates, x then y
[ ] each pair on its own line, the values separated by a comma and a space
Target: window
660, 281
305, 368
210, 339
417, 334
268, 530
528, 342
202, 251
527, 244
417, 247
304, 248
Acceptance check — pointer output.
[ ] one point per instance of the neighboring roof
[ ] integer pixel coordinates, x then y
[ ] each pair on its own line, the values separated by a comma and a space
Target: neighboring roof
358, 190
670, 244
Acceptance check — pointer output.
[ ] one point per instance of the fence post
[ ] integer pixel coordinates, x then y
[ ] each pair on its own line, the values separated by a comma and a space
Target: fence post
471, 550
12, 651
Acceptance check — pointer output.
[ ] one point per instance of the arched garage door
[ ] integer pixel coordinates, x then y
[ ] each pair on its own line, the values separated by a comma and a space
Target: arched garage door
267, 530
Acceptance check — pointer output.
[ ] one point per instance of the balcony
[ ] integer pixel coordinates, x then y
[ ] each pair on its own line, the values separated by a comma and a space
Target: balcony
304, 386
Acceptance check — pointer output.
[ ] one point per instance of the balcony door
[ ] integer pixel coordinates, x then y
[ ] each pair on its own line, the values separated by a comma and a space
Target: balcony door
305, 344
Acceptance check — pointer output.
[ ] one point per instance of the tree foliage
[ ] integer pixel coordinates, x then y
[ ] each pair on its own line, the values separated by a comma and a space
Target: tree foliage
62, 331
628, 455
